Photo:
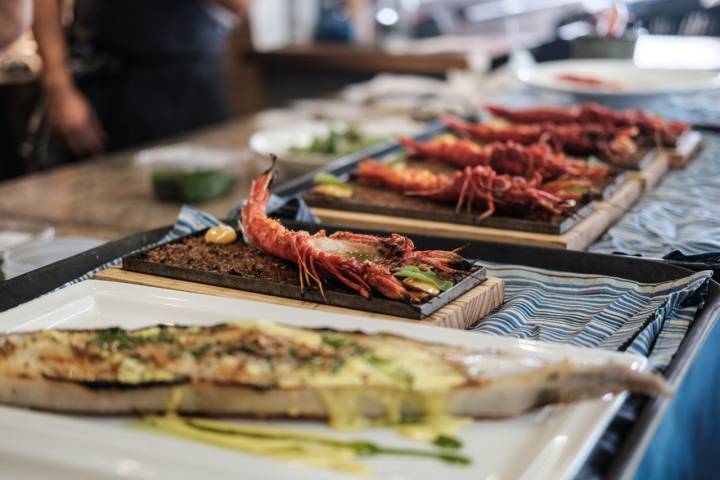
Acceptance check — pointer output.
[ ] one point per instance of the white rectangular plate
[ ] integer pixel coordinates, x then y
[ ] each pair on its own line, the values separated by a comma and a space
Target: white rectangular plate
549, 443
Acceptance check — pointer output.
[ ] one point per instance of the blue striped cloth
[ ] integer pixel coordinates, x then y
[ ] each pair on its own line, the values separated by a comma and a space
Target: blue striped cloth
650, 319
682, 213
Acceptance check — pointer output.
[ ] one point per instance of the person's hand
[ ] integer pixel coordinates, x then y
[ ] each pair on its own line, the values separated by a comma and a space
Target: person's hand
72, 117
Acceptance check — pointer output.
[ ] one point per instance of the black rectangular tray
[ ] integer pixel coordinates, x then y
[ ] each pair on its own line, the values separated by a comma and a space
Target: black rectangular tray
377, 304
423, 209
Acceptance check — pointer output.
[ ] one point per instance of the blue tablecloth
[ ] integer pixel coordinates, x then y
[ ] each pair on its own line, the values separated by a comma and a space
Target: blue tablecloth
681, 213
596, 311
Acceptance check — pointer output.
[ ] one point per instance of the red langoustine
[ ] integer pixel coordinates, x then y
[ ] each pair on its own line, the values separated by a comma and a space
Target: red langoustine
529, 161
474, 187
615, 144
364, 263
654, 127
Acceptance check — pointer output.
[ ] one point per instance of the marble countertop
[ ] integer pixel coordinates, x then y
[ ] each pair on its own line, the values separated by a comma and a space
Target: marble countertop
109, 196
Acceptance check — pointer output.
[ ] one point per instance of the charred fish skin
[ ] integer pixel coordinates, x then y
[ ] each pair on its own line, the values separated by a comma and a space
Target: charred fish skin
269, 370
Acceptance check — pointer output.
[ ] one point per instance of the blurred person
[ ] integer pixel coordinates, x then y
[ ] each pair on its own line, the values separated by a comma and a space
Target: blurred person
148, 68
15, 18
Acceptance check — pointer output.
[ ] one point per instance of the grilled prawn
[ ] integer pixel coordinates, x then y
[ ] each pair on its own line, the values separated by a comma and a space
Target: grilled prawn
474, 187
510, 158
613, 144
364, 263
591, 113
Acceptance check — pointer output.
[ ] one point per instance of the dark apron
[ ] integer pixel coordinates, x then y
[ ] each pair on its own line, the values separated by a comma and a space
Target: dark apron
156, 66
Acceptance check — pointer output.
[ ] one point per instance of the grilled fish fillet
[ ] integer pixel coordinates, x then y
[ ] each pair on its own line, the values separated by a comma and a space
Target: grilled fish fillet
268, 370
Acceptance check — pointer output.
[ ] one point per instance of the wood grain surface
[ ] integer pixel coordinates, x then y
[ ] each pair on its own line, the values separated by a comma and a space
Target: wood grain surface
654, 171
578, 238
110, 196
461, 313
688, 146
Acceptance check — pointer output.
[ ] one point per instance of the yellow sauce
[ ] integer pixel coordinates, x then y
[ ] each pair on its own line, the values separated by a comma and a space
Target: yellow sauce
221, 234
447, 138
311, 449
429, 428
389, 384
133, 371
306, 449
425, 287
430, 417
334, 190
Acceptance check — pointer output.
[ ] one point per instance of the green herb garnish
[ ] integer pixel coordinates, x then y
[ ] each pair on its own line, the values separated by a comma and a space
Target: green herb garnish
338, 141
446, 441
375, 360
401, 375
200, 351
336, 364
359, 447
328, 178
386, 365
336, 342
119, 339
397, 159
417, 273
191, 187
116, 339
408, 418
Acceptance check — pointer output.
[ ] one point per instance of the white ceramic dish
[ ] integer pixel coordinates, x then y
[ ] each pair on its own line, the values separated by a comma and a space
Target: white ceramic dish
14, 233
548, 444
189, 157
630, 81
281, 139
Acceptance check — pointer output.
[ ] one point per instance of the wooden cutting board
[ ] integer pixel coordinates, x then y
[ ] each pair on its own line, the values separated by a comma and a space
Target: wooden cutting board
578, 238
688, 145
461, 313
654, 170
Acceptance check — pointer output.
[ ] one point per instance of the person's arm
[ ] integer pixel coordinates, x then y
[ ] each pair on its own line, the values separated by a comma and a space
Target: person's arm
69, 113
15, 18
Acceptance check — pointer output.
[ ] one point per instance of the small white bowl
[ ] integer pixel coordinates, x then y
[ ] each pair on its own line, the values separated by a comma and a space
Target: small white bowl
281, 139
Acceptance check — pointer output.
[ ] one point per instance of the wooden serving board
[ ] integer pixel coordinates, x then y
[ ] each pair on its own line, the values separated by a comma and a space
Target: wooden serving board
460, 313
578, 238
654, 169
688, 145
379, 201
